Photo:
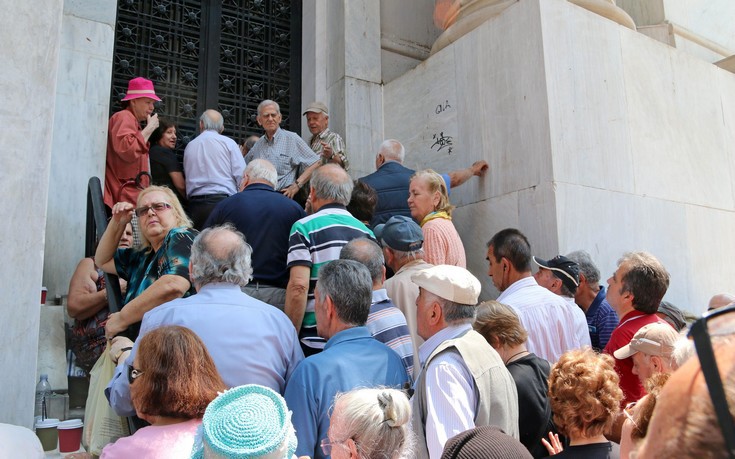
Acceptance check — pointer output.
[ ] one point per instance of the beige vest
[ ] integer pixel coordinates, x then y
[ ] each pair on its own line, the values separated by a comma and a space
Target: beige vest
494, 388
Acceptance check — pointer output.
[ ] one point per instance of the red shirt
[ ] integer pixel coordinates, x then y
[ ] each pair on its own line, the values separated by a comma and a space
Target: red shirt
127, 155
621, 336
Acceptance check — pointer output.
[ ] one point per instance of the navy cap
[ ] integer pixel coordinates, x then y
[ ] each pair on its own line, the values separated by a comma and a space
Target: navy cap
563, 268
400, 233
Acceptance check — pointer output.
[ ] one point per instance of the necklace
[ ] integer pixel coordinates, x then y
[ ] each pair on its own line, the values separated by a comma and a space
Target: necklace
515, 355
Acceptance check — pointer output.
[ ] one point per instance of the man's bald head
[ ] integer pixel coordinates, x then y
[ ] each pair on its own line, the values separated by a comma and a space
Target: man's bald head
211, 120
720, 300
220, 254
331, 184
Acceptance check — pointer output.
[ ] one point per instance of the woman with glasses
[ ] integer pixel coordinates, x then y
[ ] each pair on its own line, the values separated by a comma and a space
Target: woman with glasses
585, 396
370, 424
158, 271
172, 380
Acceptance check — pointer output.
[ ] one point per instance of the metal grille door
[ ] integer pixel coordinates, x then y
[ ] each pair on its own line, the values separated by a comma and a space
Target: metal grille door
200, 54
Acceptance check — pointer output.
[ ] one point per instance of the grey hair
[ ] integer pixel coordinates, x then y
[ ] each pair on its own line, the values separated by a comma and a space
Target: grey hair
683, 350
586, 266
392, 150
331, 183
212, 263
417, 254
250, 142
210, 124
267, 103
456, 313
367, 252
377, 420
262, 169
349, 286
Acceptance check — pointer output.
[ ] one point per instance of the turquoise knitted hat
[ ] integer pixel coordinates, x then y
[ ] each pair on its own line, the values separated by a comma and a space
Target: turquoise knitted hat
246, 422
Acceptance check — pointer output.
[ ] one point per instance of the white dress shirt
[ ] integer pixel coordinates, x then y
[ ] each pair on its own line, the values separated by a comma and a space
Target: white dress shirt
451, 403
213, 164
554, 325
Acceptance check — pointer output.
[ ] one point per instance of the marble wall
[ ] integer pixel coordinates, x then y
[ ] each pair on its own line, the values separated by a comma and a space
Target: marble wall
79, 132
28, 73
598, 138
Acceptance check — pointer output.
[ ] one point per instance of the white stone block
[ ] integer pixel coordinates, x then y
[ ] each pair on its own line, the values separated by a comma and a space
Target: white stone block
52, 347
362, 40
363, 124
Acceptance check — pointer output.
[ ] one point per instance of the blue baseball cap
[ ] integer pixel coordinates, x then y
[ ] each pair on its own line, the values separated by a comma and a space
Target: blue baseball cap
400, 233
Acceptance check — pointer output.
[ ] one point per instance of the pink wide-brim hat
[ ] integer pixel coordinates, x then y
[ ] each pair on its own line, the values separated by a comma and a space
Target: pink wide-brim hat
140, 87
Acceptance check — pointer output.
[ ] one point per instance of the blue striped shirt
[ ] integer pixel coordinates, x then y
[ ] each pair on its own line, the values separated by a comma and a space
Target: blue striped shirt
388, 325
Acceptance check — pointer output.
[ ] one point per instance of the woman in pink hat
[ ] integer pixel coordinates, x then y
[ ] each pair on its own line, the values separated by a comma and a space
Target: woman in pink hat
127, 143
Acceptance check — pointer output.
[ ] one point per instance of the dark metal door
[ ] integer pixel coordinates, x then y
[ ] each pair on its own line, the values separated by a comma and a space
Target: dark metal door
222, 54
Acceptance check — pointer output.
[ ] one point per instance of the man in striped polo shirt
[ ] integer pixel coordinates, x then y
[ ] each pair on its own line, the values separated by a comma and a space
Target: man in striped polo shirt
316, 240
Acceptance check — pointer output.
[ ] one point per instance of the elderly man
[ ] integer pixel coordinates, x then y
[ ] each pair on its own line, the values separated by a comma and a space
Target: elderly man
386, 322
127, 144
285, 149
325, 143
463, 382
391, 180
720, 300
213, 165
651, 350
265, 217
590, 296
634, 291
352, 357
402, 239
250, 341
315, 240
554, 325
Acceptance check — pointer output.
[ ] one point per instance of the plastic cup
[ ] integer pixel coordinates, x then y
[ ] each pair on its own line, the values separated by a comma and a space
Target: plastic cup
47, 433
70, 435
44, 292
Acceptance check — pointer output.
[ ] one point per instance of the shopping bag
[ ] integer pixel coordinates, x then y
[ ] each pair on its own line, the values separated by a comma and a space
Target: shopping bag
101, 425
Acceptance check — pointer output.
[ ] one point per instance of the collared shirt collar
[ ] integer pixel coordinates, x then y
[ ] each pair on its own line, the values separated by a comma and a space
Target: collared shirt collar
517, 285
348, 335
380, 295
597, 301
452, 331
331, 205
219, 286
322, 135
275, 136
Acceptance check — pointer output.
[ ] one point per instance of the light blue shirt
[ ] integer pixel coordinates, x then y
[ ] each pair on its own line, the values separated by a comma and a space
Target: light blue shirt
351, 359
250, 342
287, 151
213, 164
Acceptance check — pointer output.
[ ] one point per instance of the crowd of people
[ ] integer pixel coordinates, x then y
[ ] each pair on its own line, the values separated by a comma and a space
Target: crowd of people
360, 335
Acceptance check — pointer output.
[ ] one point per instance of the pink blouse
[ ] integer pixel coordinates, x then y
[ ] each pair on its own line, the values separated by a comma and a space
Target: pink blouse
172, 441
442, 244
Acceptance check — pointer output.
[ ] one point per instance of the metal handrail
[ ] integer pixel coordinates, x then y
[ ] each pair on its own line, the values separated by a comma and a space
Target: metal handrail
96, 226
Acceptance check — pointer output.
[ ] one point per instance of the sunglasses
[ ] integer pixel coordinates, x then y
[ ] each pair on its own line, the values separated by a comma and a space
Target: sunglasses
700, 334
156, 207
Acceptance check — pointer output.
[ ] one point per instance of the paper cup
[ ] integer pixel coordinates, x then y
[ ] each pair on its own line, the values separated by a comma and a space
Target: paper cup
70, 435
44, 291
47, 433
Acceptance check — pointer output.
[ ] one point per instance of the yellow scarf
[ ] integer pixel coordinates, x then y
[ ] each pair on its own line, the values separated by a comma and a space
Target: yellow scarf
434, 215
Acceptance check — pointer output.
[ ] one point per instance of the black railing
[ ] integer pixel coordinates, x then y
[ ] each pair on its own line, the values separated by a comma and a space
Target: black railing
96, 225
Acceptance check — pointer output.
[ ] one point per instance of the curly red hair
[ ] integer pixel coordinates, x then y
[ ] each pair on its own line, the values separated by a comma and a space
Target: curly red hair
584, 392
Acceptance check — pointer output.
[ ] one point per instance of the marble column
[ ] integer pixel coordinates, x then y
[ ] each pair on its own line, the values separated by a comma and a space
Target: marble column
30, 32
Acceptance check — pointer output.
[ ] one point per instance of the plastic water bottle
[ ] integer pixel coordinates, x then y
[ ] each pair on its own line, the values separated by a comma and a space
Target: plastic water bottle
43, 390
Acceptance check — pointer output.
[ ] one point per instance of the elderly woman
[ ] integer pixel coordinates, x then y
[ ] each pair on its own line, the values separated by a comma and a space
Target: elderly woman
428, 201
87, 305
159, 271
370, 424
172, 380
500, 326
585, 395
166, 170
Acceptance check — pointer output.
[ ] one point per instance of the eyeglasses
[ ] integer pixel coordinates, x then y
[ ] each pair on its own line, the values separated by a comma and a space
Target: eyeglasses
327, 445
133, 374
156, 206
626, 412
703, 344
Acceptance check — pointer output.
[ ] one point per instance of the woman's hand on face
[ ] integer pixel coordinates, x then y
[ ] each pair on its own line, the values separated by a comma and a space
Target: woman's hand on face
122, 213
554, 445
